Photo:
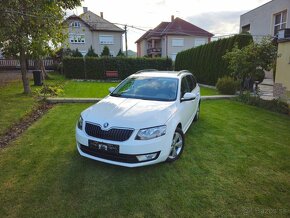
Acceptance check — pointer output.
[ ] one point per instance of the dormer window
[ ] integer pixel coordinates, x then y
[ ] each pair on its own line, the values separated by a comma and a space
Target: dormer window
76, 24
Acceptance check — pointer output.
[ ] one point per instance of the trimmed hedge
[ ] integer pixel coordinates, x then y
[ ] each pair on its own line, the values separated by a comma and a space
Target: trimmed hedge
206, 61
95, 68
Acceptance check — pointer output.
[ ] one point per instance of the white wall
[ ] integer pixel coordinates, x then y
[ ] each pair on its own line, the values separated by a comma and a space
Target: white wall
92, 38
261, 19
189, 42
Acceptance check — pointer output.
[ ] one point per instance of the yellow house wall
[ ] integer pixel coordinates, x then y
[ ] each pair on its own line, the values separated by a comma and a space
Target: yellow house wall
283, 65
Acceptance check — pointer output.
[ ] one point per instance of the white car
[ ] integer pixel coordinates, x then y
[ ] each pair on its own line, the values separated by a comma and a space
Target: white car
142, 121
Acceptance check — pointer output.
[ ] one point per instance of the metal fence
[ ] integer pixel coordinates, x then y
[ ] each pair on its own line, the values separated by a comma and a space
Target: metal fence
14, 64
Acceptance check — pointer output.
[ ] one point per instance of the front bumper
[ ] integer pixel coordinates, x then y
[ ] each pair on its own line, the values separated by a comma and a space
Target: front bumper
129, 150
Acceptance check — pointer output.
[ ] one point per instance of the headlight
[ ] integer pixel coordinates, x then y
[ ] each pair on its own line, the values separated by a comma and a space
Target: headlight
150, 133
80, 123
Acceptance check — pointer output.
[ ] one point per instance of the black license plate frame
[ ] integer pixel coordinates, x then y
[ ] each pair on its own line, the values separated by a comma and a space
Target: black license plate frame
104, 147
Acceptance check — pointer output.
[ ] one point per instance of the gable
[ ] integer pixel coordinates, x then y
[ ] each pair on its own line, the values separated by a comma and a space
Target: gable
97, 23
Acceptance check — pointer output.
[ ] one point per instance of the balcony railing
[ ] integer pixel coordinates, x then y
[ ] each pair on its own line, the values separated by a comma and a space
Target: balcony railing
153, 50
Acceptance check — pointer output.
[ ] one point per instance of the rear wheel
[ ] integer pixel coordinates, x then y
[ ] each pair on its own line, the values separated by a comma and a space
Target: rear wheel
177, 145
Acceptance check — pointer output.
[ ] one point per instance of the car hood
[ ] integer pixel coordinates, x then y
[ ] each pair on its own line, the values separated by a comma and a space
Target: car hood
130, 113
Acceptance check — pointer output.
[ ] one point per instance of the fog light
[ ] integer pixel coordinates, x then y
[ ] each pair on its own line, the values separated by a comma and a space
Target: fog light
146, 157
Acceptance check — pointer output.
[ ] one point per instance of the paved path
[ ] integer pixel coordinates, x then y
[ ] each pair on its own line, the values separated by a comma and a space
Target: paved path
266, 89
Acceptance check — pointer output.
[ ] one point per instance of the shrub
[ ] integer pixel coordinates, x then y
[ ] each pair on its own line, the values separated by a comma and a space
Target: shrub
76, 53
49, 90
94, 68
275, 105
73, 67
206, 61
91, 53
227, 85
105, 52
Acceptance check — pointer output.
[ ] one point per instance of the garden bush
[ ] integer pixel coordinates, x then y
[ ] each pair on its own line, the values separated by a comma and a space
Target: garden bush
274, 105
227, 85
206, 61
95, 68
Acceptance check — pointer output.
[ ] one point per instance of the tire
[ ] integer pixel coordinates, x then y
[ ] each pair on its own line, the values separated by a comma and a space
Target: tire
196, 117
177, 145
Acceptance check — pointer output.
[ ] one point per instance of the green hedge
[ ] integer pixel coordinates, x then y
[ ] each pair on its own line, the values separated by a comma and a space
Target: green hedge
73, 67
94, 68
206, 61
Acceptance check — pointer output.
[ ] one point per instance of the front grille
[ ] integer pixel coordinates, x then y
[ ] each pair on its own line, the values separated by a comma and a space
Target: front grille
124, 158
114, 134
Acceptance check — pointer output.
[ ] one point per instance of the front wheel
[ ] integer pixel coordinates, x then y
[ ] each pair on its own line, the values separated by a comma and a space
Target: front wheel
177, 145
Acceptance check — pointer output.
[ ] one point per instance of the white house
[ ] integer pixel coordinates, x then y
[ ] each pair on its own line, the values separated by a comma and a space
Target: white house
169, 38
267, 19
89, 29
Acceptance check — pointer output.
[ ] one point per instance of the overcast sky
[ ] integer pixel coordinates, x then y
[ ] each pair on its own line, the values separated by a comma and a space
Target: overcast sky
220, 17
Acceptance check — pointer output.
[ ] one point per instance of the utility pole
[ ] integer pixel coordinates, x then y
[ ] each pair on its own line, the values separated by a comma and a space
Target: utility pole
126, 40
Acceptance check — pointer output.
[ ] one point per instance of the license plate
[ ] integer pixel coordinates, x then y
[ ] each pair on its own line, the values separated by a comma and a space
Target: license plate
104, 147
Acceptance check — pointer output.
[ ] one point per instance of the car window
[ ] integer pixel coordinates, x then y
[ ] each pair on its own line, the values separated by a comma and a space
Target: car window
191, 82
148, 88
184, 86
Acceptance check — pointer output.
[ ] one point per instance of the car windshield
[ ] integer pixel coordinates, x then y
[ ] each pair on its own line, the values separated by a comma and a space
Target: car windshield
148, 88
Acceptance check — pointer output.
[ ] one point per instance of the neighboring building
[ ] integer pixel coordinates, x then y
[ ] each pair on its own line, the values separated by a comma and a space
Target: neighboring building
169, 38
267, 19
282, 77
89, 29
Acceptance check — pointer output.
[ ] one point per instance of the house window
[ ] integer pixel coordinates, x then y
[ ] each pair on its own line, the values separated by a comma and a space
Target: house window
199, 41
178, 42
280, 21
246, 28
106, 39
76, 24
77, 38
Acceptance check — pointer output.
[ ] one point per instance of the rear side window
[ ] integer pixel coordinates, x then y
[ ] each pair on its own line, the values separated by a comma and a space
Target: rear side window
191, 82
184, 86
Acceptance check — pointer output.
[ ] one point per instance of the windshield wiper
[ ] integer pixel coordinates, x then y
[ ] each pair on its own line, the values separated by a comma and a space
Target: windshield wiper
115, 95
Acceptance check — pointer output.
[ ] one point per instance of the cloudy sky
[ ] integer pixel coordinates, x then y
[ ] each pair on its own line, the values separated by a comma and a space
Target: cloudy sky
220, 17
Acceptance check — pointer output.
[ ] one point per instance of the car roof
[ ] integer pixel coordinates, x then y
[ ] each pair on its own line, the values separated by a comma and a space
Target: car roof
158, 73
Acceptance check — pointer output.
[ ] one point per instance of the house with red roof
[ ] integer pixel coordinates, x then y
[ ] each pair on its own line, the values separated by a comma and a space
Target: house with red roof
89, 29
169, 38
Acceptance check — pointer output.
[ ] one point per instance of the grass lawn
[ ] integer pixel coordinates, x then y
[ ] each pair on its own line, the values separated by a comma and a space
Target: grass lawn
236, 162
95, 89
204, 91
14, 105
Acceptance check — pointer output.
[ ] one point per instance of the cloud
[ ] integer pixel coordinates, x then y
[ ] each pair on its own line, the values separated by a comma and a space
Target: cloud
218, 23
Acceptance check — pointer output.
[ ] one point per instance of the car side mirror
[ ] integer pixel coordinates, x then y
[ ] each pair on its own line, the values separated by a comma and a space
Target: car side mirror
111, 89
188, 96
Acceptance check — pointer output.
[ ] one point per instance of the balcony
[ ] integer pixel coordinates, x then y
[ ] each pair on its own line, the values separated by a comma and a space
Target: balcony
153, 51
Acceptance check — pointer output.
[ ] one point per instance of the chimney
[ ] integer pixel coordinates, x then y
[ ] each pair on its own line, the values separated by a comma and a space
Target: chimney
102, 15
85, 9
172, 18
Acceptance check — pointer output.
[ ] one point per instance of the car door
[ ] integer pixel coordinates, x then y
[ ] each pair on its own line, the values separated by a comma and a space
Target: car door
195, 90
187, 108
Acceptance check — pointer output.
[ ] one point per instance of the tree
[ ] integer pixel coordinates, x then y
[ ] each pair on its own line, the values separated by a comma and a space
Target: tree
249, 63
91, 53
29, 28
105, 52
76, 53
120, 54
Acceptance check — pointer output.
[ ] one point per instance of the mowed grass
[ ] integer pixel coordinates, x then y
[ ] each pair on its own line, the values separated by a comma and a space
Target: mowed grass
14, 104
236, 162
205, 91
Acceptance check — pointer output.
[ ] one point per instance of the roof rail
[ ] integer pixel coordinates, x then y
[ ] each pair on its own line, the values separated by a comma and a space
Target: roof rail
145, 70
183, 71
